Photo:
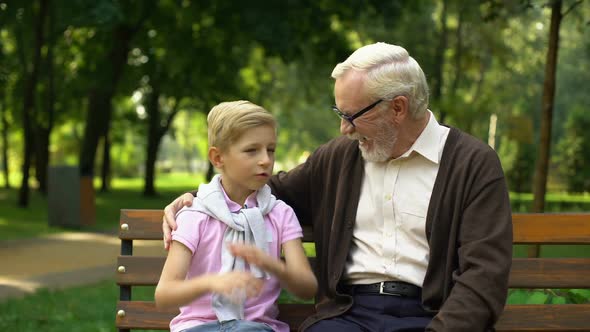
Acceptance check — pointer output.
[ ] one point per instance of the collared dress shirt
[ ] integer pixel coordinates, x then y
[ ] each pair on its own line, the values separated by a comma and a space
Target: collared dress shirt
389, 238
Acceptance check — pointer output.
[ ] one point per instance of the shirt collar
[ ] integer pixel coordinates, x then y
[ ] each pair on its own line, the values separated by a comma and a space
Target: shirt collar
427, 144
235, 207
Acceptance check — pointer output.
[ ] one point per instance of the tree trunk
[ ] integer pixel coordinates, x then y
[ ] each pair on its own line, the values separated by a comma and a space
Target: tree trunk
153, 111
439, 62
45, 123
5, 145
106, 164
4, 121
99, 99
28, 105
540, 178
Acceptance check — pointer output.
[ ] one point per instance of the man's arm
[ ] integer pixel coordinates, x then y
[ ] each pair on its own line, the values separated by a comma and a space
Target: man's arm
485, 255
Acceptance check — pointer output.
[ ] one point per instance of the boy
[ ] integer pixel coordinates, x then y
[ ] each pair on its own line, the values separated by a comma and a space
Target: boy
224, 266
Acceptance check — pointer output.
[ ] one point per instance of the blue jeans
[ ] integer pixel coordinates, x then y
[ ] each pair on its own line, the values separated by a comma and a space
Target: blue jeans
231, 326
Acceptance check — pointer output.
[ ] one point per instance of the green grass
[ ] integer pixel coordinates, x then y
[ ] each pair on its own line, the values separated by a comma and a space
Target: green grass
17, 222
88, 309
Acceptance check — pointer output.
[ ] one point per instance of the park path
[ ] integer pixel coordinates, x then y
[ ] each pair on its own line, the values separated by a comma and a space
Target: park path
61, 260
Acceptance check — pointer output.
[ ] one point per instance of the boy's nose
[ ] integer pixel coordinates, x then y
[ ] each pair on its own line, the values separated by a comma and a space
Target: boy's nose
266, 158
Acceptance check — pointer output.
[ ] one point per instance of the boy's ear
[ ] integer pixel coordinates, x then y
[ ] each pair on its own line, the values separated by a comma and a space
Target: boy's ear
215, 157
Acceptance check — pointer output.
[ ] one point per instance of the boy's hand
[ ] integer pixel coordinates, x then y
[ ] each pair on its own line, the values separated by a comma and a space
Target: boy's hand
169, 220
237, 285
254, 256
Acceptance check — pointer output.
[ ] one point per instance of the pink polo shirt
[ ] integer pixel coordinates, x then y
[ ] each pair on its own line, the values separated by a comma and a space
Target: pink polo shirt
203, 236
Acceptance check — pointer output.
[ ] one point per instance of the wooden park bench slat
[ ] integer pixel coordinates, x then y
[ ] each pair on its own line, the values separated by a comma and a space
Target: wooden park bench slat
551, 228
139, 270
563, 228
545, 317
525, 273
143, 315
144, 270
550, 273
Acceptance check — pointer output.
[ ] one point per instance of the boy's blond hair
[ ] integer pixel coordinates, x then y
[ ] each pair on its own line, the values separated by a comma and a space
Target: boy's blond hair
227, 121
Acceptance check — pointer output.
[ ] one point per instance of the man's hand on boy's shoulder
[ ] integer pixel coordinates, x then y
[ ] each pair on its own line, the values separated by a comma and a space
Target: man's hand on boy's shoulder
169, 219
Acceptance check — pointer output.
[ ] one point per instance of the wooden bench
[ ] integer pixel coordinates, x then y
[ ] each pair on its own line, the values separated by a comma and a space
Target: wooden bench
527, 273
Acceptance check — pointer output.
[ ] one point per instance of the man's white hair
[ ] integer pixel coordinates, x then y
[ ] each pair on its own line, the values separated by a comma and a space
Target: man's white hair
390, 72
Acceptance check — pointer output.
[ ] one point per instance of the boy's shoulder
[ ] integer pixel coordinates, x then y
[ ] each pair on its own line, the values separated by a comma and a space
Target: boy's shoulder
281, 208
192, 211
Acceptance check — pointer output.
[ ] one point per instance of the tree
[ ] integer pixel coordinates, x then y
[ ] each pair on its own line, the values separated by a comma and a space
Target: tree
542, 162
28, 99
107, 72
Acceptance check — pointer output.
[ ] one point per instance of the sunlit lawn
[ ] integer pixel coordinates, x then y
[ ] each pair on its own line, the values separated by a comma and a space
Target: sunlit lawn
16, 222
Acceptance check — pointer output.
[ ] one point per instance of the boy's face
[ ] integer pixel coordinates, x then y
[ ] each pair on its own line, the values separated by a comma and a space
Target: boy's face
247, 164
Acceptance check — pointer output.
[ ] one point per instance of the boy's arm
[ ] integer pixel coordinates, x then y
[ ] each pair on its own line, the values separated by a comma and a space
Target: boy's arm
298, 277
174, 289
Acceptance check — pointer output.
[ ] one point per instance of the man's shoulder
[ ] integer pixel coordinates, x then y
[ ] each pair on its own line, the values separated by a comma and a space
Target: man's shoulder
463, 143
468, 153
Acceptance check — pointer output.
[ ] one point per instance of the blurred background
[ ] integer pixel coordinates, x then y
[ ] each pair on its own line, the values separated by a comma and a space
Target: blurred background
103, 102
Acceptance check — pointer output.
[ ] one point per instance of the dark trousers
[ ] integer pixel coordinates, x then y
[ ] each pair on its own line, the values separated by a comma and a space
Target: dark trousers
378, 313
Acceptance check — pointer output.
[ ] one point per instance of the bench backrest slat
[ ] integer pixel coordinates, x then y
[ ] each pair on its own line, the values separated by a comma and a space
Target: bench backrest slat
551, 228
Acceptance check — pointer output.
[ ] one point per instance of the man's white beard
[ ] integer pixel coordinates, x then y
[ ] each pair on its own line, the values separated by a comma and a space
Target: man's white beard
383, 143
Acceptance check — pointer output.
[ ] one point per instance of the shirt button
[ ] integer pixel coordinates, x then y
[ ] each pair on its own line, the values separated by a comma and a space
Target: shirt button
388, 197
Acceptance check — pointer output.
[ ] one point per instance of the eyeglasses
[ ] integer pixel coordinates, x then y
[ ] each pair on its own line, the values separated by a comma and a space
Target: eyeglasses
350, 118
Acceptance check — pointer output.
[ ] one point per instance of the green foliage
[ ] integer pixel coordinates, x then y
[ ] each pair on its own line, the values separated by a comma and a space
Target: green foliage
573, 151
548, 296
519, 168
280, 55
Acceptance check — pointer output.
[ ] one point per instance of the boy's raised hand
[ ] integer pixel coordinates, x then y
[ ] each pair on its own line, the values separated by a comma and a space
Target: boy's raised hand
254, 256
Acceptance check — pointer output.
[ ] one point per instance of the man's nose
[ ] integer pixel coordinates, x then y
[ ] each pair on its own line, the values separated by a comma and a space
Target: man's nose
346, 127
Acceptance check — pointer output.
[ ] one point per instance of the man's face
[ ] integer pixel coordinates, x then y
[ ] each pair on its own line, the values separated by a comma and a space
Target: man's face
374, 130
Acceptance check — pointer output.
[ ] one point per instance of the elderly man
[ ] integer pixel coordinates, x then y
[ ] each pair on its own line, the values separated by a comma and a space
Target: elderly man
411, 219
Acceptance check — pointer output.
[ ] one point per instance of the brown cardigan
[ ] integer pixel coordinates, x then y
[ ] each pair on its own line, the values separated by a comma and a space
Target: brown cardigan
468, 226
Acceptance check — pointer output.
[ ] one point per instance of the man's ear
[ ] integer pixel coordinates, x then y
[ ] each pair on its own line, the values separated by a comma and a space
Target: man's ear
400, 107
215, 157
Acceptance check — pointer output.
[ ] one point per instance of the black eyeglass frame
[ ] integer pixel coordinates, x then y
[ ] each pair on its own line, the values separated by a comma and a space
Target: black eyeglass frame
358, 114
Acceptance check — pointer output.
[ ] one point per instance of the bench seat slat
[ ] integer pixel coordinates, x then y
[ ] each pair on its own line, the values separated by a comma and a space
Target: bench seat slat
525, 273
140, 270
550, 273
545, 317
145, 270
143, 315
